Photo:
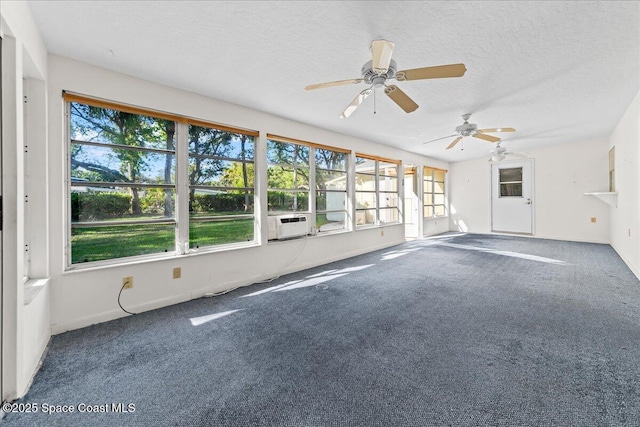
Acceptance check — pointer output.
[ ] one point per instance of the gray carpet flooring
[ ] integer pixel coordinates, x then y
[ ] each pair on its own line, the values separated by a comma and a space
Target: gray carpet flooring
457, 330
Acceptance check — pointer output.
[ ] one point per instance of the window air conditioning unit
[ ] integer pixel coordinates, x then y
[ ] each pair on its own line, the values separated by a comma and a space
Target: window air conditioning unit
289, 226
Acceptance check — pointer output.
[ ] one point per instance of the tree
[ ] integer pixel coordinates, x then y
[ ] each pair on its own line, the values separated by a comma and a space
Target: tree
205, 143
119, 128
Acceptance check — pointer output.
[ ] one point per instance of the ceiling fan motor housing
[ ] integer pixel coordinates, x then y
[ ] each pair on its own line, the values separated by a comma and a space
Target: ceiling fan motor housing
467, 129
376, 79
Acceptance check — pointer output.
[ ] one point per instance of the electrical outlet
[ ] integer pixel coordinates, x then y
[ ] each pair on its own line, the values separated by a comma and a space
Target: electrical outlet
593, 219
127, 282
382, 233
177, 272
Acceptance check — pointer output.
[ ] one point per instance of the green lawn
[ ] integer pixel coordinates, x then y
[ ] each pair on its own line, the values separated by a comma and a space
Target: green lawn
118, 241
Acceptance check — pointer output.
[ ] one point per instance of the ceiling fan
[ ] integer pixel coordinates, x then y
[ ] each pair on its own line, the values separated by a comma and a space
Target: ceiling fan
381, 68
471, 129
499, 153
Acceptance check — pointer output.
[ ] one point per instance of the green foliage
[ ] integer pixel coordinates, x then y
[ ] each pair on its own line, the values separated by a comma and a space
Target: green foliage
99, 205
155, 200
101, 243
286, 201
220, 203
220, 232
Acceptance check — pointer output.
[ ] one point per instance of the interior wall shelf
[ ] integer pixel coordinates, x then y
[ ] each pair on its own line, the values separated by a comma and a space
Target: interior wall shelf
608, 197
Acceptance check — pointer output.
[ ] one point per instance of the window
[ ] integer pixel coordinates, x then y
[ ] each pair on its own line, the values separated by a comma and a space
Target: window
612, 169
124, 177
221, 186
294, 168
511, 182
376, 191
287, 177
331, 189
434, 192
122, 187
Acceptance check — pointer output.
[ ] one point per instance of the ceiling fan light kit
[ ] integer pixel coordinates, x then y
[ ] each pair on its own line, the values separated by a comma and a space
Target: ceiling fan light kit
382, 68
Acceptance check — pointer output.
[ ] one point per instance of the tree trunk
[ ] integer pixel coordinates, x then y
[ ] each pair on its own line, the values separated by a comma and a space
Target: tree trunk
170, 128
245, 177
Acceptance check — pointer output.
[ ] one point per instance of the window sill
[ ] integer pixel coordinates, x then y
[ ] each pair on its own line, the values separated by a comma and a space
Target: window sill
435, 218
143, 259
32, 288
370, 226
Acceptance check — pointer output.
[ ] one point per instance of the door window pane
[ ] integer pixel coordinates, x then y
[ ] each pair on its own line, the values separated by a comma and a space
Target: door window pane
510, 182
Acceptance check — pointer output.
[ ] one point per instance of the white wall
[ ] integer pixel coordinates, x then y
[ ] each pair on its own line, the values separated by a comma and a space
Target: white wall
562, 211
625, 217
25, 328
85, 296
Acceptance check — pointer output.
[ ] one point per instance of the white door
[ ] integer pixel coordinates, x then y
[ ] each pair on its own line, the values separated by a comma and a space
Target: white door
411, 203
512, 196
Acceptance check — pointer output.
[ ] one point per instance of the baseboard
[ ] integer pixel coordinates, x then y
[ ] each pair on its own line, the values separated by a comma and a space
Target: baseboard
207, 290
634, 270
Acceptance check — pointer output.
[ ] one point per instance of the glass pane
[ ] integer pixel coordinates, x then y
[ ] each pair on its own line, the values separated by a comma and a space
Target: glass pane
388, 169
388, 199
365, 216
214, 142
438, 175
511, 175
216, 202
209, 233
511, 190
365, 200
284, 153
327, 159
440, 210
438, 187
438, 199
119, 241
388, 215
330, 201
365, 165
287, 178
428, 174
284, 201
388, 183
117, 203
365, 182
220, 173
330, 221
107, 164
109, 126
428, 199
428, 211
428, 186
326, 180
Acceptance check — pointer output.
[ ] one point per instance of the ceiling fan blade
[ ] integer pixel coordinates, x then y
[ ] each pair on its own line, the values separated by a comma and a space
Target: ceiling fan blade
453, 144
355, 103
437, 72
381, 51
400, 98
331, 84
438, 139
497, 130
489, 138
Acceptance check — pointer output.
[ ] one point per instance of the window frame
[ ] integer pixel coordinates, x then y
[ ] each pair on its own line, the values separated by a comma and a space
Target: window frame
377, 192
180, 184
429, 171
312, 209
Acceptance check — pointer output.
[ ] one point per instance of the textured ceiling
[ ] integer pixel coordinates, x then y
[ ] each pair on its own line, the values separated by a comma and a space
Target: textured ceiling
556, 71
